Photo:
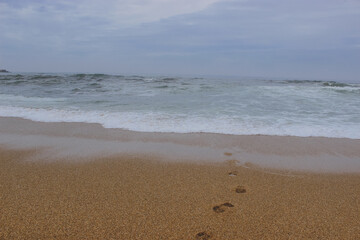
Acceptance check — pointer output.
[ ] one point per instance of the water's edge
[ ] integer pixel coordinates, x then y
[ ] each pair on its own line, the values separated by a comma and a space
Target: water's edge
82, 140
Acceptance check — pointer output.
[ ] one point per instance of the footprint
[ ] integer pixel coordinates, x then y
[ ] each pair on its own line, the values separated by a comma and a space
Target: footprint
228, 204
202, 236
218, 209
232, 162
240, 189
233, 173
227, 154
221, 208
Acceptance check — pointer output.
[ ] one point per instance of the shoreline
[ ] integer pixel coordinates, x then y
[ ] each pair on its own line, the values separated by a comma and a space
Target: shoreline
170, 132
85, 140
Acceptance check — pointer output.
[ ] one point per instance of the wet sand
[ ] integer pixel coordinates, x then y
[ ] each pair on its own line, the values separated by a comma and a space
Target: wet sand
130, 197
81, 141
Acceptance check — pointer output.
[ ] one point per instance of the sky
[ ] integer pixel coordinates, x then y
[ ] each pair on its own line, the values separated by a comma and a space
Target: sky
295, 39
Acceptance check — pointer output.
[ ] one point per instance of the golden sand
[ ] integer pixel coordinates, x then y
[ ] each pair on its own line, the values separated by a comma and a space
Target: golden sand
138, 198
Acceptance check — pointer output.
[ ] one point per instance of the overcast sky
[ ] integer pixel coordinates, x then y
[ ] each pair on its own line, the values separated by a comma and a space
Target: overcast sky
303, 39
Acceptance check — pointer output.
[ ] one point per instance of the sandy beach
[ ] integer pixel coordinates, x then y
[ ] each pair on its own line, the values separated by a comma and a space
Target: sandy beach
179, 120
135, 195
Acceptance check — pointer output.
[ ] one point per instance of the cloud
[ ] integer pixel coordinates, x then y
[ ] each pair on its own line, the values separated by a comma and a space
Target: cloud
117, 13
65, 23
236, 36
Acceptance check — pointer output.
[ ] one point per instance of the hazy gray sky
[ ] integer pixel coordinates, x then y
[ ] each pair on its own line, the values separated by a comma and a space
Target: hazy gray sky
307, 39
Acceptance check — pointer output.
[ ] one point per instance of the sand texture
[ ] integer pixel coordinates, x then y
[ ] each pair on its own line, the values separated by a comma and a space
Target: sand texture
133, 197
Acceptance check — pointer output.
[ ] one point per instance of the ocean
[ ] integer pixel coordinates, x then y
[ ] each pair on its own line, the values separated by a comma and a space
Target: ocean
239, 106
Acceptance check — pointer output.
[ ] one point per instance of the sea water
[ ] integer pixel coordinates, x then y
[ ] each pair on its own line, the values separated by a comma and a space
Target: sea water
241, 106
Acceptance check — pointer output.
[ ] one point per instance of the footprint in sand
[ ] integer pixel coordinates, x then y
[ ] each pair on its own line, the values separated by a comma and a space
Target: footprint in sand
228, 204
240, 189
218, 209
202, 236
221, 208
233, 173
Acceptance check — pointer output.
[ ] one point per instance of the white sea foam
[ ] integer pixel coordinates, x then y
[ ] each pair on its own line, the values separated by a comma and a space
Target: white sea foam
156, 122
18, 98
